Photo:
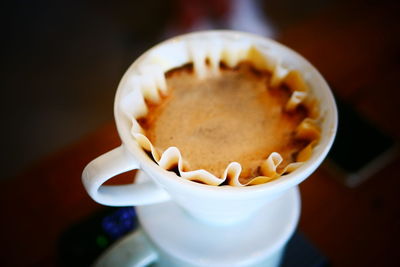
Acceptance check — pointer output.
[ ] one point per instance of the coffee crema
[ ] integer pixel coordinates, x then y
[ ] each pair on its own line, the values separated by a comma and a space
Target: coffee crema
233, 116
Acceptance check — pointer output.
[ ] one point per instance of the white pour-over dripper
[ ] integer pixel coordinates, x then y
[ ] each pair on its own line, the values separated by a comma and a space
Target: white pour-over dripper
170, 237
224, 206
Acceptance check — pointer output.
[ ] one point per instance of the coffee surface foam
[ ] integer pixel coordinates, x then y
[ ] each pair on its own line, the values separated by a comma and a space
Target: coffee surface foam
230, 117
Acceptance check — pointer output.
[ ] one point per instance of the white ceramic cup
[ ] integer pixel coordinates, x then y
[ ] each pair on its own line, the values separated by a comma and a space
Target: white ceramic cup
214, 204
167, 237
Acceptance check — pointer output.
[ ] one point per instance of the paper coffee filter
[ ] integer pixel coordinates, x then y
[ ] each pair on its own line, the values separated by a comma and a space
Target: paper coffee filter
148, 84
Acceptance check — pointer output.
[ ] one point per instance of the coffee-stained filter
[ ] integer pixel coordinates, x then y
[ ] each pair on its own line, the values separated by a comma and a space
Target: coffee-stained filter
148, 85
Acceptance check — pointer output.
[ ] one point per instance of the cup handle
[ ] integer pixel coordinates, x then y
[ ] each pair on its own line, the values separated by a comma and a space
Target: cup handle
132, 251
112, 163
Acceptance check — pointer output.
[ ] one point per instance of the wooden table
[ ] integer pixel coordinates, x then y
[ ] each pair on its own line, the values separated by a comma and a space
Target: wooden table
356, 48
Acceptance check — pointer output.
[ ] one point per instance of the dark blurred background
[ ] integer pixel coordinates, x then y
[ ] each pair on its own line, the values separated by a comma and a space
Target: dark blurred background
62, 62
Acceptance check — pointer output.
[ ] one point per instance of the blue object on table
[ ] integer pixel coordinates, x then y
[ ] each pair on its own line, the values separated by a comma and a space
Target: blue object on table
119, 223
